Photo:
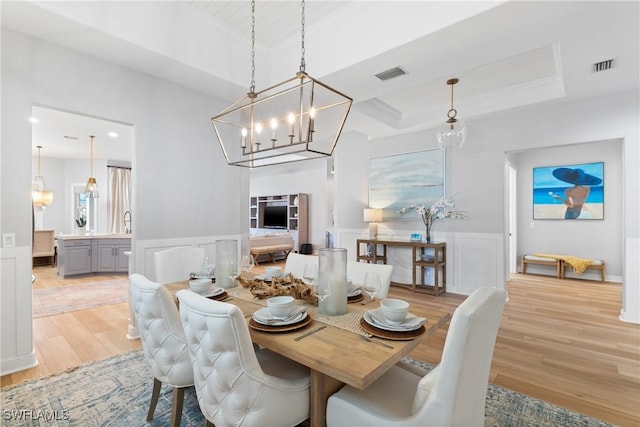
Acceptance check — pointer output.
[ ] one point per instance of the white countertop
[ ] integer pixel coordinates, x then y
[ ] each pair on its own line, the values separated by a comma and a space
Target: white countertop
92, 236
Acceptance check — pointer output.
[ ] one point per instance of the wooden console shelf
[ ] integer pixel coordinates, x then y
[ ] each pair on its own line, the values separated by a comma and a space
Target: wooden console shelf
375, 250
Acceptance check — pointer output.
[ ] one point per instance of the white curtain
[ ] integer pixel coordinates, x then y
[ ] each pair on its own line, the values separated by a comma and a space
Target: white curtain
119, 198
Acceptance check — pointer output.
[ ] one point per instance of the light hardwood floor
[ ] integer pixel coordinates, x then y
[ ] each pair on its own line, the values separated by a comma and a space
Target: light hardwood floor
559, 341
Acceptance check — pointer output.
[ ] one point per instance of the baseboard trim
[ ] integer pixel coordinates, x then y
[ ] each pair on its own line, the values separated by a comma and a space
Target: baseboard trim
20, 363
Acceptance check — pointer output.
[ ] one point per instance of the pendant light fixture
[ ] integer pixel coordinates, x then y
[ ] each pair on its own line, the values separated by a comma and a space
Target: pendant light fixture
39, 195
92, 185
453, 133
298, 119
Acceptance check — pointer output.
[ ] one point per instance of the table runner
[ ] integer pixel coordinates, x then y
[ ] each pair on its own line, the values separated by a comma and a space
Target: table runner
349, 321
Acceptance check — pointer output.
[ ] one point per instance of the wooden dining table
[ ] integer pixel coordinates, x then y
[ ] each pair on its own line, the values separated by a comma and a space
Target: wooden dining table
335, 356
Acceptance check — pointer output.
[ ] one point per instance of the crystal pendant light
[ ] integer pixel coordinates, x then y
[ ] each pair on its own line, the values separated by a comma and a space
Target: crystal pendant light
453, 132
92, 185
298, 119
39, 195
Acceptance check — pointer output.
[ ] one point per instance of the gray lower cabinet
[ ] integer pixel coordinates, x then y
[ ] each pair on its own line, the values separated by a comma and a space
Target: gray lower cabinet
74, 257
111, 257
91, 255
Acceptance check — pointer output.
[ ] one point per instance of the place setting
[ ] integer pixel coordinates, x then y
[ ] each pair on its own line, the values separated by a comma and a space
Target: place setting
280, 315
392, 320
207, 271
206, 288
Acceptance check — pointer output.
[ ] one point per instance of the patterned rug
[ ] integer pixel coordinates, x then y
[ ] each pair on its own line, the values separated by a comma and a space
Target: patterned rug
116, 392
63, 299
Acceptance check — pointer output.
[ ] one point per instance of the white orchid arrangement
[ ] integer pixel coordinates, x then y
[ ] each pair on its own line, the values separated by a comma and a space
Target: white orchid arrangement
439, 211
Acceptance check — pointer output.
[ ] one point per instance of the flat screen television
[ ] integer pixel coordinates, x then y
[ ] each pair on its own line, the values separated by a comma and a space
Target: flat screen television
275, 217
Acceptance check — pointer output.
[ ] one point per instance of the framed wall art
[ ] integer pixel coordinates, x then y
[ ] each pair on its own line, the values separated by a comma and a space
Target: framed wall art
405, 180
569, 191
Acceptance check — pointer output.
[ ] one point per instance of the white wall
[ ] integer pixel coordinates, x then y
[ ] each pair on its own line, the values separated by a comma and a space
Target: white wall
597, 239
182, 187
59, 177
476, 252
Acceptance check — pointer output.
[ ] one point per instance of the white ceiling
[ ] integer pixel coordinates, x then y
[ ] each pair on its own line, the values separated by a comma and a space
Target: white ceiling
506, 54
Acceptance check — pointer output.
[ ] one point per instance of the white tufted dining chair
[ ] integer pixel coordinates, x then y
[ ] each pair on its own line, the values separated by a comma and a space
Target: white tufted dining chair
295, 263
163, 342
357, 270
236, 385
175, 264
452, 394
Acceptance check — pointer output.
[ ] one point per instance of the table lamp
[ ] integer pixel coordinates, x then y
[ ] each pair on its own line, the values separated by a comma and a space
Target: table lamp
373, 217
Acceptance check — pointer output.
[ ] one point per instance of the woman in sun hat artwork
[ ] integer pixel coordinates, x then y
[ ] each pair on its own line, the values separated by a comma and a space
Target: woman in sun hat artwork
575, 196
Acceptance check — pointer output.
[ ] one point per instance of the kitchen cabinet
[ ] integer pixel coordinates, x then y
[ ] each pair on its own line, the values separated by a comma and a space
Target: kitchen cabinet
74, 257
92, 254
110, 255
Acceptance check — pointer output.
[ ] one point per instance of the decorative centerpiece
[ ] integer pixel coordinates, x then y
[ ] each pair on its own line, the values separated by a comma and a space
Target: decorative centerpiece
285, 285
436, 212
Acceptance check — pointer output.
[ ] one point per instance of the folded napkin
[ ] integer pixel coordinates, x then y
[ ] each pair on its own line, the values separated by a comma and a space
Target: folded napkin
410, 323
264, 316
213, 292
353, 290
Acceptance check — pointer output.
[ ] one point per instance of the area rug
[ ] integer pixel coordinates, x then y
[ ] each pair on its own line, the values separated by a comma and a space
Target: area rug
116, 392
63, 299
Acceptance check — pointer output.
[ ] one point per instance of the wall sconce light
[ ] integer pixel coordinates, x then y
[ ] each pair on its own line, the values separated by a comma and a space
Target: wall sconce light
373, 217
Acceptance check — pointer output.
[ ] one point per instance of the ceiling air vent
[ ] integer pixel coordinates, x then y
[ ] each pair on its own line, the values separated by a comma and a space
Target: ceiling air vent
602, 65
391, 73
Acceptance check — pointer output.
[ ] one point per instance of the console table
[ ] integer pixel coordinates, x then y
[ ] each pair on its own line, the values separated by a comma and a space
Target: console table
375, 251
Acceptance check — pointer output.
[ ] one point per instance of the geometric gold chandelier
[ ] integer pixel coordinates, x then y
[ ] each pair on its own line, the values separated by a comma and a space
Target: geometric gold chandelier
298, 119
39, 195
453, 133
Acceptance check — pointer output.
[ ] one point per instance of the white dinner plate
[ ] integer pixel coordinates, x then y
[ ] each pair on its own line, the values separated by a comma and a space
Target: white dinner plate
202, 276
264, 317
212, 292
376, 318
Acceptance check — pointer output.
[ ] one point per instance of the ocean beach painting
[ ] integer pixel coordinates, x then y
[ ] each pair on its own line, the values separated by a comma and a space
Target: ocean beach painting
405, 180
569, 191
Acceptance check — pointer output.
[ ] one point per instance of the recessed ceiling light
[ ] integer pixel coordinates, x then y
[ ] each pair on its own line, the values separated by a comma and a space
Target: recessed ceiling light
34, 120
113, 134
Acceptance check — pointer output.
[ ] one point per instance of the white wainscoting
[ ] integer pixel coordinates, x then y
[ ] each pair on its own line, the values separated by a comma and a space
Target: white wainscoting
16, 310
474, 260
143, 250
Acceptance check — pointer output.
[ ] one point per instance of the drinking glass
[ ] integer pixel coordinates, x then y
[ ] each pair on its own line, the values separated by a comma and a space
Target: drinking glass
233, 271
247, 263
371, 285
322, 290
310, 274
207, 267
